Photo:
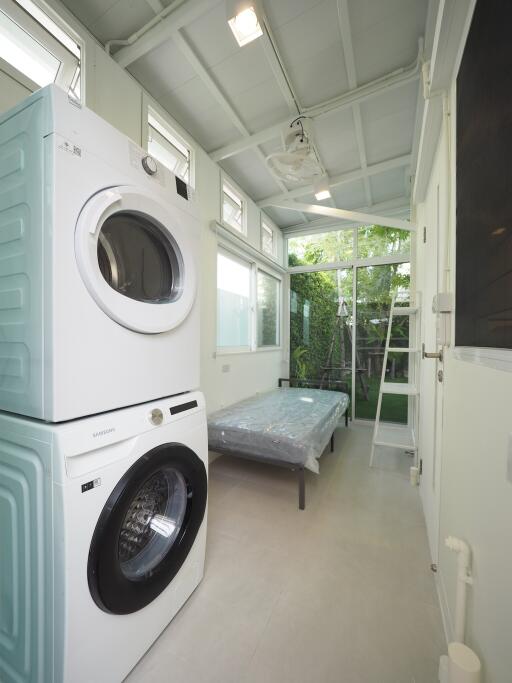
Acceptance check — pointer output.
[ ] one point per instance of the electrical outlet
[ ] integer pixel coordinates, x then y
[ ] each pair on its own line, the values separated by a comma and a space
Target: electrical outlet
226, 368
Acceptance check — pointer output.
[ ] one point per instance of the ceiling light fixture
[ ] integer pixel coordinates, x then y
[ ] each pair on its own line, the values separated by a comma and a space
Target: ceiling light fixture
243, 21
321, 188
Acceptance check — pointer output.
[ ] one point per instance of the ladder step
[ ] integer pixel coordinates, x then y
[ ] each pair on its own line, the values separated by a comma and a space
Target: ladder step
395, 436
399, 388
402, 349
404, 310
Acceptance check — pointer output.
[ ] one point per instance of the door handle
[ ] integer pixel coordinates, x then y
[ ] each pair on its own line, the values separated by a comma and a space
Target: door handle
437, 354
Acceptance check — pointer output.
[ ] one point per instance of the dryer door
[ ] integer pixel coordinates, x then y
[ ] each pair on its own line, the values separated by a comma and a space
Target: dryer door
147, 528
136, 258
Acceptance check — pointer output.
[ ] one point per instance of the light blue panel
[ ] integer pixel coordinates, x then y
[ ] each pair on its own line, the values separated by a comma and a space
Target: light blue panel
26, 564
21, 264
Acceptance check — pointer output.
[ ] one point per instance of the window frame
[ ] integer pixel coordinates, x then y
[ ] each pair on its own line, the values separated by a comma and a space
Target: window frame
265, 224
150, 109
235, 190
47, 38
355, 261
270, 347
255, 266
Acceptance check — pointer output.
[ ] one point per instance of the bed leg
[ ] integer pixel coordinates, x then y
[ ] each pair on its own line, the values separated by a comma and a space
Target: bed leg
332, 442
302, 489
346, 418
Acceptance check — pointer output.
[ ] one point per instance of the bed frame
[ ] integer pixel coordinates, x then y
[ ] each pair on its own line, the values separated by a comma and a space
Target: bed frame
292, 382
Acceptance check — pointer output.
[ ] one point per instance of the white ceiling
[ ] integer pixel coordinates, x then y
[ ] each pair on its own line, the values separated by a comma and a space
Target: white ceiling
326, 47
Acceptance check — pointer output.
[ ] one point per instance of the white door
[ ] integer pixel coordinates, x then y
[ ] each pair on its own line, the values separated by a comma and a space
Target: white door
430, 417
136, 260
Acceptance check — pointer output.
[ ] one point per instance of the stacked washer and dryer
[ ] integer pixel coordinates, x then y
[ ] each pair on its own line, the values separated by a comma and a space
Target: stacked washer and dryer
103, 447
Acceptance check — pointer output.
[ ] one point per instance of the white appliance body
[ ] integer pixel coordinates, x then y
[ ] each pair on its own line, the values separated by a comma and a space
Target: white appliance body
61, 486
98, 267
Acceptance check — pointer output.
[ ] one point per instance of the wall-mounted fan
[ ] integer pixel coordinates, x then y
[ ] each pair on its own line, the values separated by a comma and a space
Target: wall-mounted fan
298, 163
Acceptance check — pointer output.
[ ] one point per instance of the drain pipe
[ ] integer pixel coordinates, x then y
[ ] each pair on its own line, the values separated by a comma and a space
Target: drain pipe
460, 665
464, 579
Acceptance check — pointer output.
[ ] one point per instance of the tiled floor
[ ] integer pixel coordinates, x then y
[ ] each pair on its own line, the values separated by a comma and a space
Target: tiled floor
338, 593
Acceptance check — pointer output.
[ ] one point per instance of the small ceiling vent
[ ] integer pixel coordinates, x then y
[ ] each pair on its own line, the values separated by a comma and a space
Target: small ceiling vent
299, 162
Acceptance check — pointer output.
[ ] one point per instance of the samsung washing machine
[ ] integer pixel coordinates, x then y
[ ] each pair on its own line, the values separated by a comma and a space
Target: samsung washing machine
102, 536
99, 250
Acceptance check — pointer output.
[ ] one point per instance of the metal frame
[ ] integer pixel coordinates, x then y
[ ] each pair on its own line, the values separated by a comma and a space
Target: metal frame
294, 467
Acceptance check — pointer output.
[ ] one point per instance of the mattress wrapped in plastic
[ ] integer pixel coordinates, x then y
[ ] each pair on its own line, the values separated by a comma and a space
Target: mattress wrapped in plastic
289, 425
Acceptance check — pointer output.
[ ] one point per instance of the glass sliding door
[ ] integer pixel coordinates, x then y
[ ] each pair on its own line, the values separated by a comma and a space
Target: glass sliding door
375, 286
321, 322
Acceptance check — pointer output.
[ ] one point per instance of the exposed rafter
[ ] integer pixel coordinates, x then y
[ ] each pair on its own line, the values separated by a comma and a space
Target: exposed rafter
276, 63
345, 215
341, 179
397, 79
348, 52
389, 208
202, 72
452, 25
155, 5
182, 43
159, 33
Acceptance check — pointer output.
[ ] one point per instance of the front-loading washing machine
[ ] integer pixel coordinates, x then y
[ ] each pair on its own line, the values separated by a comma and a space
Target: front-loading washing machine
99, 248
102, 536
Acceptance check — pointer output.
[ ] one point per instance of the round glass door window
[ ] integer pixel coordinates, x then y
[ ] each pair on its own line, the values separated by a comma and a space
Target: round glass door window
147, 528
152, 523
138, 260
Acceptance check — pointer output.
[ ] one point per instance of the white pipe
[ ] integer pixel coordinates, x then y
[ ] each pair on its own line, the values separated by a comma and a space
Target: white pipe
463, 579
135, 36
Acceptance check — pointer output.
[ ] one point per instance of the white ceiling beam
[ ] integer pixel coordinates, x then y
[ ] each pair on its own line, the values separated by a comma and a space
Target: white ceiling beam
350, 65
341, 179
202, 72
159, 33
204, 75
391, 207
396, 79
155, 5
243, 144
345, 215
276, 63
452, 26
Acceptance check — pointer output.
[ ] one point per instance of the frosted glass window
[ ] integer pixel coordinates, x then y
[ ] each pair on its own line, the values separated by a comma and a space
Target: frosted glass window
233, 302
268, 310
165, 146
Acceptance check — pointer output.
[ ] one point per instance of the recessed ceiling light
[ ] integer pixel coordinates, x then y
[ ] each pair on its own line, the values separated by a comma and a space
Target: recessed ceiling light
321, 188
243, 21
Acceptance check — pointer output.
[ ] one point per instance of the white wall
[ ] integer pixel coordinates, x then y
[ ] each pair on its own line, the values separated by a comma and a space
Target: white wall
476, 498
116, 96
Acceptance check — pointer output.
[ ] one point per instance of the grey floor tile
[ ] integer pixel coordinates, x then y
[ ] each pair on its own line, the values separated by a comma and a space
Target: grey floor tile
338, 593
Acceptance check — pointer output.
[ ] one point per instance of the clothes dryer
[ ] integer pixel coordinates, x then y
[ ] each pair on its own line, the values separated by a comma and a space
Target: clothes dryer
99, 250
103, 532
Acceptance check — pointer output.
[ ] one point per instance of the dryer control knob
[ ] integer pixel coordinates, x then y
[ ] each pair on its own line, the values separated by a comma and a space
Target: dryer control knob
156, 417
149, 165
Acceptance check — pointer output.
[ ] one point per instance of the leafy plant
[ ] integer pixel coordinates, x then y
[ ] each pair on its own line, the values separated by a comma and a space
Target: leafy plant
298, 361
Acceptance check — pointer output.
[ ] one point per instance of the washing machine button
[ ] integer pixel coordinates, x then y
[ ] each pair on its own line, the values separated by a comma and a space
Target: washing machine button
156, 417
149, 165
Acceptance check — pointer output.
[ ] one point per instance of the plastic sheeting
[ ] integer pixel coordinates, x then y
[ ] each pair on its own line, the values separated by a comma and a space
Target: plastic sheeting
288, 425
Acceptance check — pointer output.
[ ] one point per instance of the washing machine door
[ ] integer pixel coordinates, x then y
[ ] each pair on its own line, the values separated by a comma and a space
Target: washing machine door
147, 528
136, 258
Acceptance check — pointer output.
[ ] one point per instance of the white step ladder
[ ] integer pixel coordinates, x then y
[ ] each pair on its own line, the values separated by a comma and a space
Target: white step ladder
390, 434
